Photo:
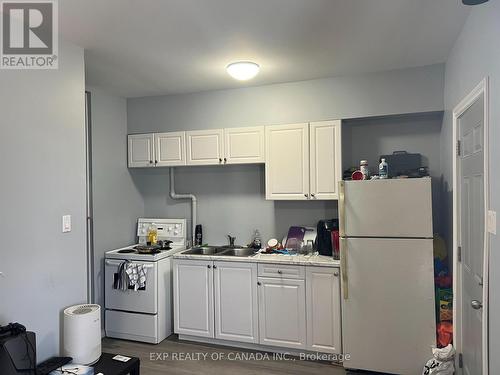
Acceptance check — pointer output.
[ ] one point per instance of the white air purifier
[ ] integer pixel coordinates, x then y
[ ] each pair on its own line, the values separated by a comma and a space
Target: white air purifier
82, 334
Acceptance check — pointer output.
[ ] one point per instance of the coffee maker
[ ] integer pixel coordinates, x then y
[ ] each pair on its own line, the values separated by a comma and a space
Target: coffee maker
326, 229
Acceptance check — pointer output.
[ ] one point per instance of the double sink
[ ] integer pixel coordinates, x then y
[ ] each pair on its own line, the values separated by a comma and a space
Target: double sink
231, 251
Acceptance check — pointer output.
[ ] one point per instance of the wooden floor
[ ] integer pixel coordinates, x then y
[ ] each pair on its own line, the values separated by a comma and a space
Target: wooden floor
151, 364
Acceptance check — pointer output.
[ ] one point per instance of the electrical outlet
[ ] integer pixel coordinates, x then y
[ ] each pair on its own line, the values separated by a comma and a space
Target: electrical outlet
66, 223
492, 222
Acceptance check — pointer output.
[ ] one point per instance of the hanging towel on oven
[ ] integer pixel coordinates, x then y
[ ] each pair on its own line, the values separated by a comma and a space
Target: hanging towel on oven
136, 275
121, 278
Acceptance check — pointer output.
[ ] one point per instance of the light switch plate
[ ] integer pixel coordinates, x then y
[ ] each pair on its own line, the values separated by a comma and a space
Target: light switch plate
492, 222
66, 223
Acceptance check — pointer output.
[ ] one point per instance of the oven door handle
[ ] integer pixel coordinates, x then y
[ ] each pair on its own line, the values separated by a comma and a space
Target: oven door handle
117, 263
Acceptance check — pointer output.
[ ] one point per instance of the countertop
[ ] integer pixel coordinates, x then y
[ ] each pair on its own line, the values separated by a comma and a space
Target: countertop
304, 260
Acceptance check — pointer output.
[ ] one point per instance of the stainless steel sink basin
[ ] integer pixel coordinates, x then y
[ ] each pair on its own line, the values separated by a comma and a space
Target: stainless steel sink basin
204, 250
221, 250
238, 252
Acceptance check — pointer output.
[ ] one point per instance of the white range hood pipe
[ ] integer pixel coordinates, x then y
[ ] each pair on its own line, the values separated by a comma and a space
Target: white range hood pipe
173, 195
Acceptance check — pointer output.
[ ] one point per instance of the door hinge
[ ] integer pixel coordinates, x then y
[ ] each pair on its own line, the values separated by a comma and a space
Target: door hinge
459, 253
459, 148
460, 360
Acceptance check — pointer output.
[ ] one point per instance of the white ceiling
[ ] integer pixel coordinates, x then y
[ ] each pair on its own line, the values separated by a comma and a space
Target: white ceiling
151, 47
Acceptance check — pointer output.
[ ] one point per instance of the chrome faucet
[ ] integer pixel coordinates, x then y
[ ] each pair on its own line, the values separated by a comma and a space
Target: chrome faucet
231, 240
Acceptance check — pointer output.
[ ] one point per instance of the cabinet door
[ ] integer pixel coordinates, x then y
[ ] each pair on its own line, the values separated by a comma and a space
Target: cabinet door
193, 298
323, 309
140, 150
282, 312
205, 147
287, 162
325, 156
244, 145
236, 312
170, 149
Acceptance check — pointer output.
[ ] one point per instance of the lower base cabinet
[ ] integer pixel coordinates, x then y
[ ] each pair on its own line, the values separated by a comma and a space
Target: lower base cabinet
282, 312
323, 309
272, 305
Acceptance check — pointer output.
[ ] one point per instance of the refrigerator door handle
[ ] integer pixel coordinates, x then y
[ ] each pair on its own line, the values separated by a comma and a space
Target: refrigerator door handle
342, 208
343, 267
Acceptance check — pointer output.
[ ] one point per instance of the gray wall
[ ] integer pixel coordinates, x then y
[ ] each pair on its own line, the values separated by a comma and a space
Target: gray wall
231, 198
117, 202
42, 158
368, 138
375, 94
475, 55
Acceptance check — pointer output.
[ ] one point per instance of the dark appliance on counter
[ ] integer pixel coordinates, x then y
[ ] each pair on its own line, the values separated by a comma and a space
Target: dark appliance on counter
325, 243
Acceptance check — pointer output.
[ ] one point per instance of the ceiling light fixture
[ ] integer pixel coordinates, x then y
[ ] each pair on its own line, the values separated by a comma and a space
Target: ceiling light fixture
474, 2
243, 70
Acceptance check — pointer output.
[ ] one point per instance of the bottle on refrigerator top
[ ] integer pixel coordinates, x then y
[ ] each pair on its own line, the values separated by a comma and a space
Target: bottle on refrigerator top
383, 169
363, 167
152, 238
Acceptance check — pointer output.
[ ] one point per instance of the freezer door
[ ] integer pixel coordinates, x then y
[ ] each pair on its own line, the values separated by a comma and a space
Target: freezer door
388, 318
386, 208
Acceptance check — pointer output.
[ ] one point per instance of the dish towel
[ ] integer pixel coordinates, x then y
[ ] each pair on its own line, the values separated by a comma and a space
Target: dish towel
121, 278
136, 275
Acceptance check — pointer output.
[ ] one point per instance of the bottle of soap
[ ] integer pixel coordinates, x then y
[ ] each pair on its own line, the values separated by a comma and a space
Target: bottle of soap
152, 238
383, 169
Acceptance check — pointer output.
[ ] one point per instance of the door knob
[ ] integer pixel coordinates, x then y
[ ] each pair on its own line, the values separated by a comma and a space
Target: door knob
476, 305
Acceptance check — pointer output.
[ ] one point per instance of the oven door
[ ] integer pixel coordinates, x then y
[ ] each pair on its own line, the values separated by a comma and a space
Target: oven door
144, 300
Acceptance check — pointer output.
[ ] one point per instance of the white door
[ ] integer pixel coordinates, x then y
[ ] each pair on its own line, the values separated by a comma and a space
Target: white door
193, 298
323, 309
140, 150
287, 162
325, 159
244, 145
282, 312
471, 234
386, 208
205, 147
170, 149
388, 307
236, 312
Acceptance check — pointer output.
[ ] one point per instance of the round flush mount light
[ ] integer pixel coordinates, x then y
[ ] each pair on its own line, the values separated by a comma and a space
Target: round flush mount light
474, 2
243, 70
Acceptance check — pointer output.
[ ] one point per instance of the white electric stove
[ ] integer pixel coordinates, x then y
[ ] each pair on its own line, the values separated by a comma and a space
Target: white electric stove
144, 314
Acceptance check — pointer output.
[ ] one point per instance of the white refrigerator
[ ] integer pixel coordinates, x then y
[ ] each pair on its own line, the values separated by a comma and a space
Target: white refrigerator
388, 310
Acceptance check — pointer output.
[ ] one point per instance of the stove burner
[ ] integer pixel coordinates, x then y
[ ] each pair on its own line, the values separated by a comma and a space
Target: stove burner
126, 251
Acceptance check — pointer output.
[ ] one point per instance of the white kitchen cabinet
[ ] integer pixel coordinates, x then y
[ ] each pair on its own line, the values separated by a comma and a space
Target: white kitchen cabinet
323, 309
303, 161
193, 297
282, 312
287, 162
325, 159
140, 150
244, 145
205, 147
236, 311
170, 149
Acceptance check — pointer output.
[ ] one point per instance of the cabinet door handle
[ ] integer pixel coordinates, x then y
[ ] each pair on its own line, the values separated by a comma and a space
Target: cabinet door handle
215, 266
336, 274
220, 160
306, 195
209, 266
156, 161
225, 160
258, 283
151, 162
313, 195
279, 271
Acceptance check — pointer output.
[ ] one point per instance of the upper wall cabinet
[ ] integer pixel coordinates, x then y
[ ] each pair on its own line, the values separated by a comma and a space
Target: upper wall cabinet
303, 161
244, 145
226, 146
170, 149
287, 162
158, 149
205, 147
140, 150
